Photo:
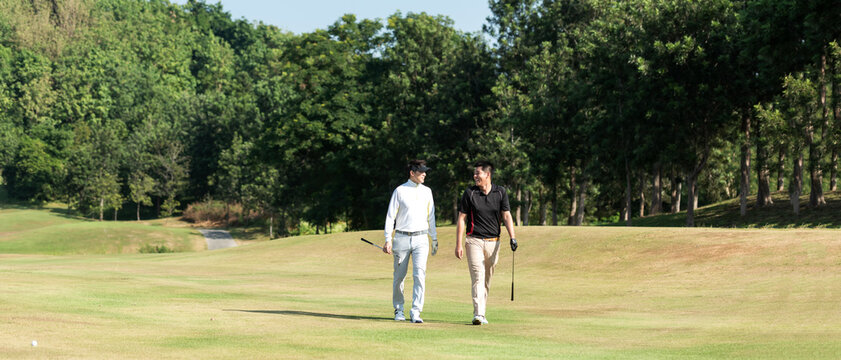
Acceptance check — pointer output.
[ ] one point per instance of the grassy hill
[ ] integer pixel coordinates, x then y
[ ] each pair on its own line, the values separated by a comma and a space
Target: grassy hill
778, 215
49, 230
584, 293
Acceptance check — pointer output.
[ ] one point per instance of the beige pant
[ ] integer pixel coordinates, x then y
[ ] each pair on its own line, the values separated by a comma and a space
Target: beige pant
481, 259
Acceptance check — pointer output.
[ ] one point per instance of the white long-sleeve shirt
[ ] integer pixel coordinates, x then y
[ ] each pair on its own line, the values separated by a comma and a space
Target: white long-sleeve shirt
411, 209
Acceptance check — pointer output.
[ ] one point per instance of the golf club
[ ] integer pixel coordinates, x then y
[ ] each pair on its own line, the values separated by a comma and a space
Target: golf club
512, 276
372, 244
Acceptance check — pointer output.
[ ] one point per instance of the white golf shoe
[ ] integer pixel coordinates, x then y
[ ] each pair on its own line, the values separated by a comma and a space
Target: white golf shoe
416, 318
479, 320
398, 316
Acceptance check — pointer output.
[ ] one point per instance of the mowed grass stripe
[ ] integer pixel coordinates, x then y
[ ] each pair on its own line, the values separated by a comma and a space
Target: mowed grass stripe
625, 293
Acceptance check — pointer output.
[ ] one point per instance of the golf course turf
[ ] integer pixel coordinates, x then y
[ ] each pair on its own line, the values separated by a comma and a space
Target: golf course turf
581, 292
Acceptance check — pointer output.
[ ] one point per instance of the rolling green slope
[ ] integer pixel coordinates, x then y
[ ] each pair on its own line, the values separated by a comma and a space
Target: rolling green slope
584, 293
48, 231
726, 214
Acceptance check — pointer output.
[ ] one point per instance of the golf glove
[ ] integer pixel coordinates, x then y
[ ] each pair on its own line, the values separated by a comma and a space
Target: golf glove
434, 246
513, 244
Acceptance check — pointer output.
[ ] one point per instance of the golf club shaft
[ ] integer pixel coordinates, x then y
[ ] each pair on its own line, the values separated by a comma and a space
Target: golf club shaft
512, 276
372, 244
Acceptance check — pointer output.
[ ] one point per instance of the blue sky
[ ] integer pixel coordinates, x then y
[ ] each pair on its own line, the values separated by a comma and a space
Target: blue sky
308, 15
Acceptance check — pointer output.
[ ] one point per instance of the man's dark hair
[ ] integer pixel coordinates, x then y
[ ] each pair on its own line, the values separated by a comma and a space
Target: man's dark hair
415, 164
486, 166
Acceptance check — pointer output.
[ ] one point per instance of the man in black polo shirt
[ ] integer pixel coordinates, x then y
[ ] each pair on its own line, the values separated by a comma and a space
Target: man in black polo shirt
480, 211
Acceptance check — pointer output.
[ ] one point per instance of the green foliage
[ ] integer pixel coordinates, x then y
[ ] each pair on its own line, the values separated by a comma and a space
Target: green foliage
108, 101
141, 185
155, 249
37, 174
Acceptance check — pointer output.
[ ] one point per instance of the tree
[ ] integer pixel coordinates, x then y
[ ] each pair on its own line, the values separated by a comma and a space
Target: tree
141, 186
799, 99
261, 191
690, 59
233, 174
36, 174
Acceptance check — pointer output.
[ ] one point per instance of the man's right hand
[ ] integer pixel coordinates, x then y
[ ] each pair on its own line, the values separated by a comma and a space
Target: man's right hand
387, 247
459, 251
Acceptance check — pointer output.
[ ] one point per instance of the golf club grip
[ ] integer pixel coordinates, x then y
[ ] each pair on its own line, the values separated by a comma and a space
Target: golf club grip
372, 244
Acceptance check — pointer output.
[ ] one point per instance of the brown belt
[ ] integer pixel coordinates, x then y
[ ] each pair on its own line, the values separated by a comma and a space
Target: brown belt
485, 239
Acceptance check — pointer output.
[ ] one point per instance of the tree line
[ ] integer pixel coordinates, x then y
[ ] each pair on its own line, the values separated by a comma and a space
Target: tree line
591, 110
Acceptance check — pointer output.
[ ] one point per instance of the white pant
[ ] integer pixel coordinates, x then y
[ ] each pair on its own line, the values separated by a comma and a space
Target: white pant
418, 247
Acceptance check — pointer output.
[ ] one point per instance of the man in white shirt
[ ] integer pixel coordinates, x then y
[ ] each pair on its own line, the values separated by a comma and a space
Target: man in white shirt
409, 223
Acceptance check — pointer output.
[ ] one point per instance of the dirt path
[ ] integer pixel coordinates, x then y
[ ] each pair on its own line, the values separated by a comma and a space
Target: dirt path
218, 239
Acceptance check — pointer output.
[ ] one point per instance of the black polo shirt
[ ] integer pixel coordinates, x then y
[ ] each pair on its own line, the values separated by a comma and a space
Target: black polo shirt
484, 212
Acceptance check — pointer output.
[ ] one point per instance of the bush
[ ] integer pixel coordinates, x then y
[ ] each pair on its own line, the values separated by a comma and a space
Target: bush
213, 211
155, 249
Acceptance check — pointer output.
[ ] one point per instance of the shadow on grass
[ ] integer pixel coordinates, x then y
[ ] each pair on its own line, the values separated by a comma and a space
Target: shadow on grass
69, 214
778, 215
245, 233
314, 314
338, 316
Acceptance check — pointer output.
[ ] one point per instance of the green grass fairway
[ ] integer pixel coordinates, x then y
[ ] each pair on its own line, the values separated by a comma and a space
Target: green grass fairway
51, 232
583, 293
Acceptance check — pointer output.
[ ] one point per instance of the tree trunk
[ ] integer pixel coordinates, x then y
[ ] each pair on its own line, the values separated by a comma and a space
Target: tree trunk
690, 206
679, 195
138, 211
554, 205
115, 214
626, 210
518, 220
281, 224
455, 210
692, 189
745, 179
527, 207
574, 194
816, 179
836, 112
271, 226
656, 191
781, 185
227, 214
677, 189
763, 173
642, 194
101, 207
544, 202
797, 182
833, 171
697, 194
816, 197
582, 200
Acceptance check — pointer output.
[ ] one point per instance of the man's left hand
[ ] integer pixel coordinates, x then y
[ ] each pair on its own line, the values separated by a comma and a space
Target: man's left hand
513, 244
434, 246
